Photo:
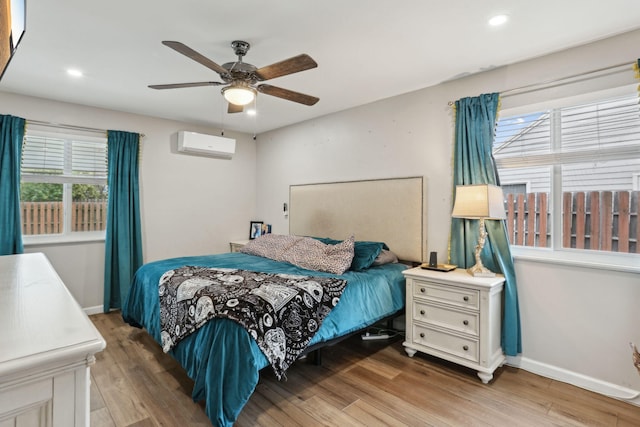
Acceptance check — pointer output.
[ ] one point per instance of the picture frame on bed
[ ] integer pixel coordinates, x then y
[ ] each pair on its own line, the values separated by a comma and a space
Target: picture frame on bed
255, 229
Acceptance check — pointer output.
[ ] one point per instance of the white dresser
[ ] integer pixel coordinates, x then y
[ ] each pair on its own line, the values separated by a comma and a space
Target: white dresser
47, 344
456, 317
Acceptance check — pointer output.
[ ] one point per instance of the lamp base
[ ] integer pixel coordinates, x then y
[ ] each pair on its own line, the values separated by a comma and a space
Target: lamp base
480, 270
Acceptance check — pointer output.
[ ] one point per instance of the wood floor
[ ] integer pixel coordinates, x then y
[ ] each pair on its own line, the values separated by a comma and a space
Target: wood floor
368, 383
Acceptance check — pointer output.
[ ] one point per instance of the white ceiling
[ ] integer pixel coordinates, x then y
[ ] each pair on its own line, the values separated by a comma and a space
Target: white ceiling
366, 50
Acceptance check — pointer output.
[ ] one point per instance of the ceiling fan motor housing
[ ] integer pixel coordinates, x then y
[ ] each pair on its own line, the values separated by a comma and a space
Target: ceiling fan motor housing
239, 71
240, 47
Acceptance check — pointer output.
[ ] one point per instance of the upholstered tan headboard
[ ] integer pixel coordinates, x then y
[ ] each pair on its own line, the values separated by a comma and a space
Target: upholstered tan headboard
383, 210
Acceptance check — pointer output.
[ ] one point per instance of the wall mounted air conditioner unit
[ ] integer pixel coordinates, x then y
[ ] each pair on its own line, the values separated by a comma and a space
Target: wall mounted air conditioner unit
206, 145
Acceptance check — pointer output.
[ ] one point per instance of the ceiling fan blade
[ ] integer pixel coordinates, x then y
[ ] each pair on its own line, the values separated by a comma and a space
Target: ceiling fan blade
288, 66
180, 85
187, 51
287, 94
233, 108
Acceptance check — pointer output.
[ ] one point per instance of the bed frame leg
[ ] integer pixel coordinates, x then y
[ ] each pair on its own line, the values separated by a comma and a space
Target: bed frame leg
316, 357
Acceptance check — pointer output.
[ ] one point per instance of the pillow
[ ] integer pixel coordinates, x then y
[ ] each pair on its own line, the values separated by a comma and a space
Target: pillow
272, 246
385, 257
315, 255
364, 253
303, 252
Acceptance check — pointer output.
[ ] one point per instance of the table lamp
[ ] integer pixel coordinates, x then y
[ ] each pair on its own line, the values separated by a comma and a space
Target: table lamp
482, 201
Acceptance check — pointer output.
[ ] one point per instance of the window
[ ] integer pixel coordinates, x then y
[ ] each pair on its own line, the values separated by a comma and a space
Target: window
579, 164
63, 190
514, 187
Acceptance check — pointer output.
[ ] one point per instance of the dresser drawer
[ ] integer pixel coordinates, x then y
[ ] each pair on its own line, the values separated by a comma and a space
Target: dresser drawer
444, 317
465, 348
461, 297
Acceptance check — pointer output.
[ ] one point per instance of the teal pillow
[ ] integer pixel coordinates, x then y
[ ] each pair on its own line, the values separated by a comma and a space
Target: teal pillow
364, 253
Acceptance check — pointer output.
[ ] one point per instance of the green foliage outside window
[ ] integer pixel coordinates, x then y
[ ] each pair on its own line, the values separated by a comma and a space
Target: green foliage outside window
49, 192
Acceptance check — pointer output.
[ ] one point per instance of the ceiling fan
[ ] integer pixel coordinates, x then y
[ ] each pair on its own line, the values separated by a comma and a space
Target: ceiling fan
240, 78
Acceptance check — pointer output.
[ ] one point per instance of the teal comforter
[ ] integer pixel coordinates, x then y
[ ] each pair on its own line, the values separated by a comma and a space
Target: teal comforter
221, 358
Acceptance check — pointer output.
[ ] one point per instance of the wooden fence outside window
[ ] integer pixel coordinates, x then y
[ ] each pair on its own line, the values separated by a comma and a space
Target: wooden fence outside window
47, 217
596, 220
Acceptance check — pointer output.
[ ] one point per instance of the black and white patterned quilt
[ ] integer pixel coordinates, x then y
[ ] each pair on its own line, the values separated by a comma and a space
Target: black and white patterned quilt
281, 312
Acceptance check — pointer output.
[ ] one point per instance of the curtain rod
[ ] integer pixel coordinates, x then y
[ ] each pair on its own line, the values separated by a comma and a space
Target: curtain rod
544, 85
71, 127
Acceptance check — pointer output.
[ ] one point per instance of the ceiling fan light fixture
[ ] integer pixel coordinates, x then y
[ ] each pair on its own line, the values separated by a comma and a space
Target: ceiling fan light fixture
239, 94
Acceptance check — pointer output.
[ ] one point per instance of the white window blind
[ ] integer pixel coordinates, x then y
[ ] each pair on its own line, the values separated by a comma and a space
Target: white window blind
62, 158
606, 130
41, 155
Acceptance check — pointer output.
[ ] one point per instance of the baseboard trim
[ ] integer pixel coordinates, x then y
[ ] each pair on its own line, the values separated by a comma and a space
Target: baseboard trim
96, 309
579, 380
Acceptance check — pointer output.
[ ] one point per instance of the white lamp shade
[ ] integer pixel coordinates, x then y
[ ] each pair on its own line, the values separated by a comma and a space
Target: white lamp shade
239, 95
479, 201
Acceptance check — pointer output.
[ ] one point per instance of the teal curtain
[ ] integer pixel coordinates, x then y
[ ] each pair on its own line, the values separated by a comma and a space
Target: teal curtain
11, 136
123, 244
473, 163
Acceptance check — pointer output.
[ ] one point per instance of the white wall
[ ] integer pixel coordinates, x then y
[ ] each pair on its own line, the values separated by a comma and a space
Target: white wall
576, 321
190, 205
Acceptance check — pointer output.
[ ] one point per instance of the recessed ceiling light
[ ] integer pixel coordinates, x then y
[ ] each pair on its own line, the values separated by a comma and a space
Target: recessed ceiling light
498, 20
74, 72
251, 112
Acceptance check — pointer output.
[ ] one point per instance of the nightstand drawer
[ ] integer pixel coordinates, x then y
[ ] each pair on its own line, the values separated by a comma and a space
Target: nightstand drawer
452, 344
446, 317
461, 297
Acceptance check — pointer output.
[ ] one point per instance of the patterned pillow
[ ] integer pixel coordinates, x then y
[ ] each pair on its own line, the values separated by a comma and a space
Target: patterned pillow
272, 246
364, 253
303, 252
315, 255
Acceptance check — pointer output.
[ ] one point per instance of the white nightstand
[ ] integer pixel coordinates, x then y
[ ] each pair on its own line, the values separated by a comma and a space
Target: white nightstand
235, 246
456, 317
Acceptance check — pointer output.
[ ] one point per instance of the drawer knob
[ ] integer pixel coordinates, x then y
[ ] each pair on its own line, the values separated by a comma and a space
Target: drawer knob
466, 298
465, 322
465, 347
423, 290
421, 334
422, 312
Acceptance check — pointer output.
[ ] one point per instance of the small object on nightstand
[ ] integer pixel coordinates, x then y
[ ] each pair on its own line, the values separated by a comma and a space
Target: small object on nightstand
433, 259
439, 267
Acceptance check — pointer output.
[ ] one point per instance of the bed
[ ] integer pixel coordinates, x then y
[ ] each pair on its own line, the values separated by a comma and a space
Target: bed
221, 357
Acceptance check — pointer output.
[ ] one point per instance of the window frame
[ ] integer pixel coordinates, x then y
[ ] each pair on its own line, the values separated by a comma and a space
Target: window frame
556, 254
67, 180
